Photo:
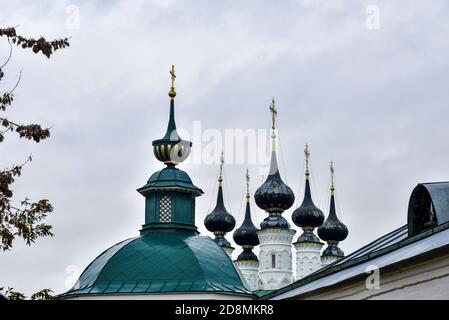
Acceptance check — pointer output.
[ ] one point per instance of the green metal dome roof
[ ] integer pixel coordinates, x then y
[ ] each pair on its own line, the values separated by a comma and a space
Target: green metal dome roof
160, 262
170, 177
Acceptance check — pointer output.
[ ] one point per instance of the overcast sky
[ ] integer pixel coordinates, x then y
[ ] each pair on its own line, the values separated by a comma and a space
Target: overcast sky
365, 90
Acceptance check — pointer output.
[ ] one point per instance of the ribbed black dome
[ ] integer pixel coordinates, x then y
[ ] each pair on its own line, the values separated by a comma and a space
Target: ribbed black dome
333, 229
274, 196
308, 215
219, 220
246, 234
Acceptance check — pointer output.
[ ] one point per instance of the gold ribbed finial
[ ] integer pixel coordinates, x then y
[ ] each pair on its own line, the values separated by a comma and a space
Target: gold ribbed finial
274, 113
332, 178
220, 178
247, 185
307, 156
172, 92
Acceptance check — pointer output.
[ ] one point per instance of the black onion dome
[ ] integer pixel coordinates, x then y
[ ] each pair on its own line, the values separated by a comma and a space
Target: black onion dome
246, 234
308, 215
219, 220
333, 229
274, 195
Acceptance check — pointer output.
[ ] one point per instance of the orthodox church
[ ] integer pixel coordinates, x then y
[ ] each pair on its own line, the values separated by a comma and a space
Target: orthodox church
273, 269
171, 260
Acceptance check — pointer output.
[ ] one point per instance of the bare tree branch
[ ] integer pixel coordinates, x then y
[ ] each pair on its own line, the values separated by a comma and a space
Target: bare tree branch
9, 57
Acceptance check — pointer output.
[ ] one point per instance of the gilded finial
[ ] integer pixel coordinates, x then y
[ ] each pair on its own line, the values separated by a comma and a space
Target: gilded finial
247, 184
332, 178
172, 92
220, 178
274, 113
307, 156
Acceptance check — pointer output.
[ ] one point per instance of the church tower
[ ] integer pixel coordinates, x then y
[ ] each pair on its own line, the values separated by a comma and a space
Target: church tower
169, 193
333, 230
275, 235
220, 221
246, 237
308, 217
169, 259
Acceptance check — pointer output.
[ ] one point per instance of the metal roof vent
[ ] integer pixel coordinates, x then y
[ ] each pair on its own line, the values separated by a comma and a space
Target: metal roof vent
428, 206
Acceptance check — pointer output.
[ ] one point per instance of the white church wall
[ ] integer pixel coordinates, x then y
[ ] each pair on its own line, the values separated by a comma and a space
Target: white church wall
328, 260
426, 277
275, 258
249, 269
308, 258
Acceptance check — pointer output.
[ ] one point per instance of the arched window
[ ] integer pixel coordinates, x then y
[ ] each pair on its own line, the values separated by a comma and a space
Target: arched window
273, 260
165, 209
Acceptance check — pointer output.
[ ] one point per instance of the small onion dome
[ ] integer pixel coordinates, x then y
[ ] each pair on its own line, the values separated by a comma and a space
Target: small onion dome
274, 196
246, 234
308, 215
219, 220
171, 149
333, 230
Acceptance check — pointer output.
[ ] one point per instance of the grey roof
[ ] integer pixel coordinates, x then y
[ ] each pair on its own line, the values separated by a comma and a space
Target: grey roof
392, 248
428, 206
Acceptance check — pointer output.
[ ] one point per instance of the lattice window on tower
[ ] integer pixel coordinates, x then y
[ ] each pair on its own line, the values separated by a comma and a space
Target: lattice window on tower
165, 209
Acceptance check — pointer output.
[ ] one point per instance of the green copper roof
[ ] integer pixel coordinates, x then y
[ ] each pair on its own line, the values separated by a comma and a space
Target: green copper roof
160, 262
170, 177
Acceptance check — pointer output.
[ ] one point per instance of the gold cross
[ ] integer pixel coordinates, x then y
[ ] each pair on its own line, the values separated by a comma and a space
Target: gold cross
173, 76
274, 113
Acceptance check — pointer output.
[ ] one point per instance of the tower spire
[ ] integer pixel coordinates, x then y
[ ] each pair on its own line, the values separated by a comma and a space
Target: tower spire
246, 235
220, 221
170, 194
308, 217
274, 196
171, 149
333, 230
275, 235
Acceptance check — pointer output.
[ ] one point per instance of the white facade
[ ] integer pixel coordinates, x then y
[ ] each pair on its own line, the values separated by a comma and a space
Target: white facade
308, 258
250, 272
326, 260
275, 258
229, 251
